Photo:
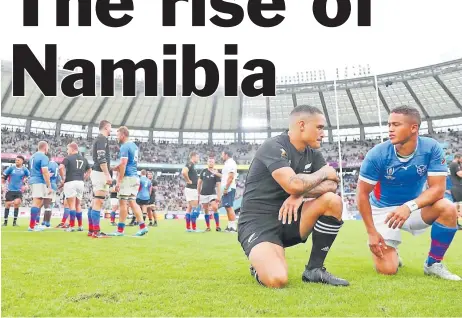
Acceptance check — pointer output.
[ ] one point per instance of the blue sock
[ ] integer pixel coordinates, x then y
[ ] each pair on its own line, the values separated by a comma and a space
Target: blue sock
34, 211
37, 218
90, 220
188, 220
95, 215
216, 216
120, 227
441, 239
113, 214
78, 216
72, 218
207, 220
193, 218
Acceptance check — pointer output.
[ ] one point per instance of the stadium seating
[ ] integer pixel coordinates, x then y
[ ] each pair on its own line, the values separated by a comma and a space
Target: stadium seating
170, 194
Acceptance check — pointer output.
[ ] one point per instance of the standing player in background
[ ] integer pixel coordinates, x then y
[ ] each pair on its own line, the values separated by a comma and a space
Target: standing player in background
16, 176
390, 195
152, 202
143, 197
208, 189
74, 171
190, 175
455, 170
114, 202
48, 202
128, 182
39, 181
100, 178
228, 185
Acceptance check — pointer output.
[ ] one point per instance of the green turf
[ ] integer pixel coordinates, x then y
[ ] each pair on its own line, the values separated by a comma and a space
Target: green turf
174, 273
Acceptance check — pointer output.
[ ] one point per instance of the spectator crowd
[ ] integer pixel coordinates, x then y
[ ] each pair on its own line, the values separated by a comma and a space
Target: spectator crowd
171, 185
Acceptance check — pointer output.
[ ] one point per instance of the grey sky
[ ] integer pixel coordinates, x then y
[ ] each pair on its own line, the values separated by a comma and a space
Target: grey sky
405, 34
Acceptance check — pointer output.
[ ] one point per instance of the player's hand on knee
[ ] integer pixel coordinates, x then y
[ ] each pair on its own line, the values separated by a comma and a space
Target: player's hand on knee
397, 218
289, 208
377, 244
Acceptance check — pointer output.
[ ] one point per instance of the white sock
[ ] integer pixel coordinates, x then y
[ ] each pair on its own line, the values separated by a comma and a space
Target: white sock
232, 225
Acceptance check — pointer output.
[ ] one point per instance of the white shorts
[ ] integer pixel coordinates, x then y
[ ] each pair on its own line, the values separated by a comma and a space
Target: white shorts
129, 188
98, 181
414, 225
191, 194
39, 190
74, 189
205, 199
114, 201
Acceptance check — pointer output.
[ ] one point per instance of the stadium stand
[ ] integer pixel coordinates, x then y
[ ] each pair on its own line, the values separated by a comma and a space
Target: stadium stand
167, 129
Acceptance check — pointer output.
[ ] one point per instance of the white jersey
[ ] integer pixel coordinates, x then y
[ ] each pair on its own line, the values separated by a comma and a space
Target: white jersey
230, 166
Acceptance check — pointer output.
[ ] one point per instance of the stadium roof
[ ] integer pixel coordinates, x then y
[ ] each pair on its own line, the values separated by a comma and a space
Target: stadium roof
435, 90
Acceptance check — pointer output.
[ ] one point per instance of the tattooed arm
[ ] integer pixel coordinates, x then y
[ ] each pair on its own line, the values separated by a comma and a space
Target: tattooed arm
324, 187
308, 185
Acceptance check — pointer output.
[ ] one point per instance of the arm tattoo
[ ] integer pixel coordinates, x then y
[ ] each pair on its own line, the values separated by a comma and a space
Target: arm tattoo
307, 182
324, 187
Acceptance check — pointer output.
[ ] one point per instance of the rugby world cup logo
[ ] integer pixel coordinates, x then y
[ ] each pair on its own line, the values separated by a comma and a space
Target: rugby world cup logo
390, 172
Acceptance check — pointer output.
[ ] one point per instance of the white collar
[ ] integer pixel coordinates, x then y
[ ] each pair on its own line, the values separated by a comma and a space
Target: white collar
409, 158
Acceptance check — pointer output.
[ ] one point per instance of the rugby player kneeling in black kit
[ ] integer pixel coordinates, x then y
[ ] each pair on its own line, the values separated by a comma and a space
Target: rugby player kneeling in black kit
285, 170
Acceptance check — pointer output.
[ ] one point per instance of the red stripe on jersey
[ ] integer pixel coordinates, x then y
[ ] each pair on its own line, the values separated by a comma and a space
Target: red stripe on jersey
377, 191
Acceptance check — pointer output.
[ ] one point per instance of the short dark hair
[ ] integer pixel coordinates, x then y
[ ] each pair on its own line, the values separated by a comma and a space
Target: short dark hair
311, 110
143, 172
20, 157
457, 156
192, 154
103, 124
408, 111
229, 153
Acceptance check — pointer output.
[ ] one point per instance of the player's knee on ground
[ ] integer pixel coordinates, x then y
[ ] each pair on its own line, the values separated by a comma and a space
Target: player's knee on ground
388, 265
267, 261
334, 204
386, 268
275, 279
272, 276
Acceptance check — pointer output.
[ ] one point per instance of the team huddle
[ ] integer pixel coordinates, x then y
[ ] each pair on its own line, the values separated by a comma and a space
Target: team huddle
290, 194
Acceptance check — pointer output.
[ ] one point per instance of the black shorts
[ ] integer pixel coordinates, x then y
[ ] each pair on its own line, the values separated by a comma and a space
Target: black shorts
152, 201
255, 228
456, 194
142, 202
13, 195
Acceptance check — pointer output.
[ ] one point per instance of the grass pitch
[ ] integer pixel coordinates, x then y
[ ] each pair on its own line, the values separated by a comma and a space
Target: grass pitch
174, 273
